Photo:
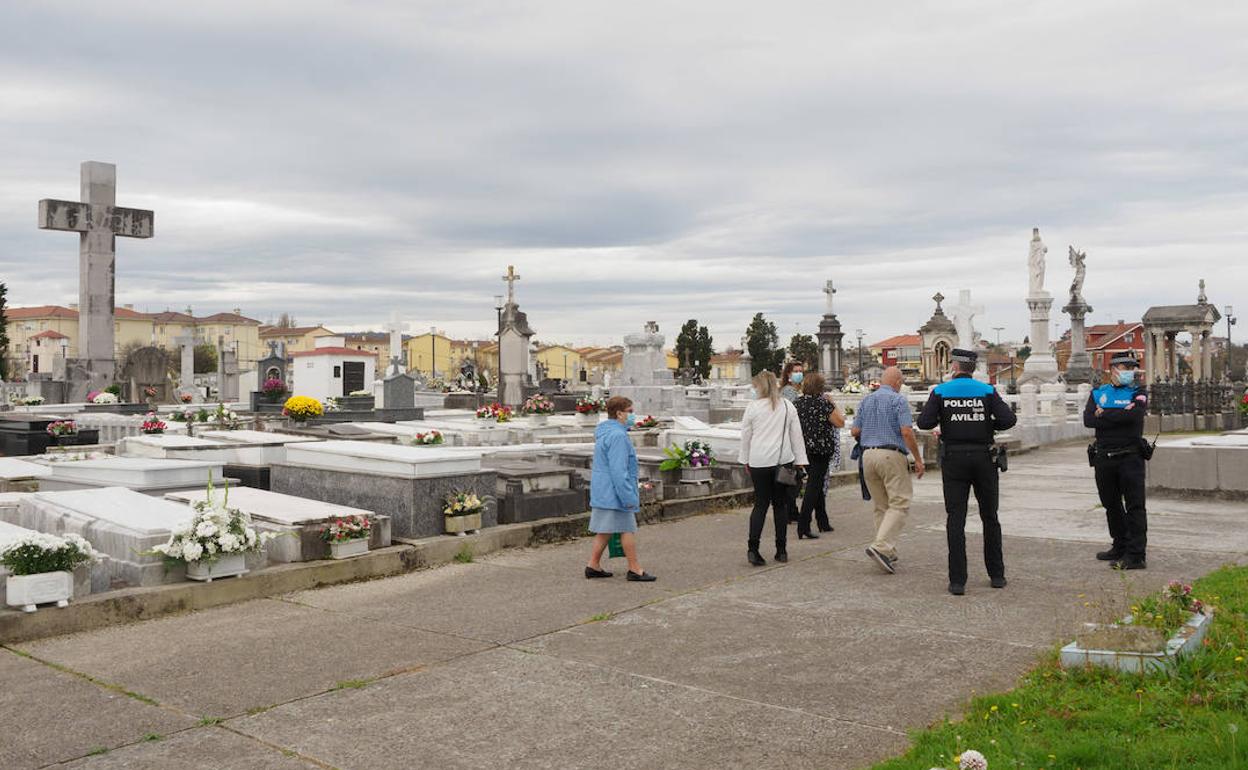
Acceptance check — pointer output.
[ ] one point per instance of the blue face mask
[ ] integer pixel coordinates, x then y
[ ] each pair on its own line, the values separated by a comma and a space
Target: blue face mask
632, 420
796, 378
1126, 376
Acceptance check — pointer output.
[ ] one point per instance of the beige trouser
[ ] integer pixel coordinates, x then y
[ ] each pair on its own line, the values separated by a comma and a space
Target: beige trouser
887, 474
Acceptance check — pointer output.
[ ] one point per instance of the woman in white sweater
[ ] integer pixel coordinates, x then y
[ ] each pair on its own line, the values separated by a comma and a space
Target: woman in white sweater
771, 438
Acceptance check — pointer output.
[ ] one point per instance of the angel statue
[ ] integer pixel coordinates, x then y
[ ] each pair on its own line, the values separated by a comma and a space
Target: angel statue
1076, 286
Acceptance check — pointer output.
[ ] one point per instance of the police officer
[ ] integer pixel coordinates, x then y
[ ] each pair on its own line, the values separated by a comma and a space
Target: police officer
1117, 410
968, 412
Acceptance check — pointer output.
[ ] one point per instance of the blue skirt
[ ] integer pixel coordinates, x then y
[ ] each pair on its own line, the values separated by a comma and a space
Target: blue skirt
604, 521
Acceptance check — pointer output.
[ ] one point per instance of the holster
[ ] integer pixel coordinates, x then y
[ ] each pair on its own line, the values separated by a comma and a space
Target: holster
1147, 448
1001, 458
1092, 454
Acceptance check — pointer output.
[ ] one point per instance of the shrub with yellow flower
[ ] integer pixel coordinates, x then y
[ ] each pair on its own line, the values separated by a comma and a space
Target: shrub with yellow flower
302, 408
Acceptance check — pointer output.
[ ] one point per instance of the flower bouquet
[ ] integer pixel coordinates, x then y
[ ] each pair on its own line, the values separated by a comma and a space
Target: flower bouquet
538, 404
223, 418
302, 408
495, 411
215, 541
185, 398
1242, 406
463, 512
647, 422
42, 567
693, 460
273, 389
428, 438
152, 425
589, 405
358, 393
852, 386
149, 392
347, 536
104, 398
30, 400
62, 430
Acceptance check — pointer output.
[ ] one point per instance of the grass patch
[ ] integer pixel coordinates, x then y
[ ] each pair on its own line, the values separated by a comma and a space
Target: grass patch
97, 751
352, 684
251, 712
601, 616
206, 721
153, 737
1189, 717
464, 555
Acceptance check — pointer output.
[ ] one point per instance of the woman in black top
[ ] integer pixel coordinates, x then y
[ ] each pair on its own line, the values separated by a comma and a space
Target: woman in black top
820, 419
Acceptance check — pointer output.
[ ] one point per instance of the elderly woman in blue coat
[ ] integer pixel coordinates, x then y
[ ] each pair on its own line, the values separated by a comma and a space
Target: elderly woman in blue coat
613, 497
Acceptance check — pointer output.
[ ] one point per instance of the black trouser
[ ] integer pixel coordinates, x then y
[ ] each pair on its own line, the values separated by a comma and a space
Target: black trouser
961, 471
1121, 479
769, 492
815, 501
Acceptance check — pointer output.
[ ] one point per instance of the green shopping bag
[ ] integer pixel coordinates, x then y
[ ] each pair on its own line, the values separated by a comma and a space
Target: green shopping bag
614, 546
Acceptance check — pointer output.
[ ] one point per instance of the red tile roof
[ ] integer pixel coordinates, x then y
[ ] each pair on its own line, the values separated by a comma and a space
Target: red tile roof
289, 331
49, 335
900, 341
40, 311
227, 318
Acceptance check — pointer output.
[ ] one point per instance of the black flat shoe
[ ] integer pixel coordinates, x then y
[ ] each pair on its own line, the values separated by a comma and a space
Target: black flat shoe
807, 536
755, 558
828, 528
782, 556
1113, 554
957, 589
1129, 563
590, 572
998, 582
644, 577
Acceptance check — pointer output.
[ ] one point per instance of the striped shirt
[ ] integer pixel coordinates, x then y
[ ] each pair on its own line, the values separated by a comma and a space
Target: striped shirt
881, 416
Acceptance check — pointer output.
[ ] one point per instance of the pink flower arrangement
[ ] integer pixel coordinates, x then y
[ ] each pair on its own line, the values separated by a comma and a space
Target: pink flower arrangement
153, 425
61, 428
346, 528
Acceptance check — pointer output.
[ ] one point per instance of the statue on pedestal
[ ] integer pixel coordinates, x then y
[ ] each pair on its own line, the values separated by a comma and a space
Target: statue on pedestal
1035, 264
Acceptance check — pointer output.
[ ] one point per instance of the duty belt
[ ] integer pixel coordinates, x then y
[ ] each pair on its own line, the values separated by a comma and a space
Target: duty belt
967, 448
1121, 451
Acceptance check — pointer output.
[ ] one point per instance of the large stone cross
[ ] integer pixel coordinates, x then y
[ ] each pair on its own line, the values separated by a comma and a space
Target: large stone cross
963, 316
829, 290
98, 222
395, 327
511, 279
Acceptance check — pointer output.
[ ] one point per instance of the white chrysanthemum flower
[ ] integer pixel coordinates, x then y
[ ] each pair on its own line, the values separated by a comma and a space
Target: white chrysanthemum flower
972, 760
191, 551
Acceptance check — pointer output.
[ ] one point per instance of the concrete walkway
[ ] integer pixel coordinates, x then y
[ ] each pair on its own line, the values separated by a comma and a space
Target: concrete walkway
518, 661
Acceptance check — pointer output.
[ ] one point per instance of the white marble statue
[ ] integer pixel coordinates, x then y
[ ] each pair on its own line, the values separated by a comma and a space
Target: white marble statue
1076, 286
1035, 264
963, 319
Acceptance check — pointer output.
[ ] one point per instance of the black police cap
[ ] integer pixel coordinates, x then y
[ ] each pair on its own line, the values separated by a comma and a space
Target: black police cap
964, 356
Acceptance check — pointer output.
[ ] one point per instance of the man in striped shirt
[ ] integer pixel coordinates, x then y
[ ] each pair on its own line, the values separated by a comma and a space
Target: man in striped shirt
884, 429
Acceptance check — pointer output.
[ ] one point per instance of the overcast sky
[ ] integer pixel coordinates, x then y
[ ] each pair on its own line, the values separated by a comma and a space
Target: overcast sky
635, 161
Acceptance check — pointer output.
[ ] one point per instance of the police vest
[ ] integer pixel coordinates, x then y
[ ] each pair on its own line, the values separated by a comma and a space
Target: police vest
965, 414
1116, 396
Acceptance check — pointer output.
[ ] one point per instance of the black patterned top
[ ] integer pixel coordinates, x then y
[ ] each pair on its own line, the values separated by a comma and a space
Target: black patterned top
822, 437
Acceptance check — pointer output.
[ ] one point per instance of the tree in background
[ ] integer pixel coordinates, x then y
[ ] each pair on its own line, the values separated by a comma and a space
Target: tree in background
694, 347
4, 334
761, 340
205, 358
286, 321
804, 348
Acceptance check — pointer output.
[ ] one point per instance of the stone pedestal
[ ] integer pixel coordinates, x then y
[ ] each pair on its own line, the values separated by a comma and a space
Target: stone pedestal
1079, 367
830, 352
1040, 366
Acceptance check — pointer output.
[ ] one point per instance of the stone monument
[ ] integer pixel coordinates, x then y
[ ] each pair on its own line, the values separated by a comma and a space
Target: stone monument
963, 321
939, 338
395, 365
513, 347
98, 221
645, 378
1079, 367
186, 375
1162, 326
830, 336
1040, 366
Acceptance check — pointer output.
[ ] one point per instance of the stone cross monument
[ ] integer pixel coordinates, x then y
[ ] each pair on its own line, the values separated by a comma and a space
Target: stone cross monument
513, 347
395, 327
830, 336
1041, 366
186, 380
1079, 367
98, 221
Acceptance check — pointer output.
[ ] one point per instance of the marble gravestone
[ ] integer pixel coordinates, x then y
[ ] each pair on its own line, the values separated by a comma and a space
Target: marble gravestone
120, 523
98, 221
513, 348
300, 520
409, 484
149, 475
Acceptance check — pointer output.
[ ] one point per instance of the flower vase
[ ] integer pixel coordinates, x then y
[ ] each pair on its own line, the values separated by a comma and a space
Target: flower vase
587, 418
226, 565
345, 549
461, 525
538, 420
66, 440
26, 591
695, 475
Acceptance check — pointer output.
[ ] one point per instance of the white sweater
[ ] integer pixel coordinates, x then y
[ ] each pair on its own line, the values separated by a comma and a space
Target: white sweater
762, 436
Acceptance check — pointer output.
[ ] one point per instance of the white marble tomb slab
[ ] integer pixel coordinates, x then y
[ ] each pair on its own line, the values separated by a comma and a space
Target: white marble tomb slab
136, 472
167, 446
689, 423
17, 469
233, 447
118, 522
272, 506
383, 459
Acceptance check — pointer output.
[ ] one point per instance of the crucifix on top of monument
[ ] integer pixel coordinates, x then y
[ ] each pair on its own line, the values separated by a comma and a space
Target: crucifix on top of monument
829, 290
395, 327
98, 222
511, 279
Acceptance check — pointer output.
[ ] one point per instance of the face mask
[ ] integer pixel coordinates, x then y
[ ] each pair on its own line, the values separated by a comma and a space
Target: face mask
1126, 376
754, 392
632, 420
796, 378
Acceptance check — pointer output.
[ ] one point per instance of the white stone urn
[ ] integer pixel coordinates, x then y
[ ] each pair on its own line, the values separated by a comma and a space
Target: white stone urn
227, 565
539, 420
587, 418
461, 525
26, 591
695, 475
345, 549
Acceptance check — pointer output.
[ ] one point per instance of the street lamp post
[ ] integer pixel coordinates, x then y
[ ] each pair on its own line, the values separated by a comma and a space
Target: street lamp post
998, 329
1013, 384
858, 334
433, 352
498, 307
1230, 321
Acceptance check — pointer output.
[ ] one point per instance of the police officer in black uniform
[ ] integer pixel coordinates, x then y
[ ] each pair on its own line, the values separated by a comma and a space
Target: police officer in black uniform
969, 412
1117, 410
